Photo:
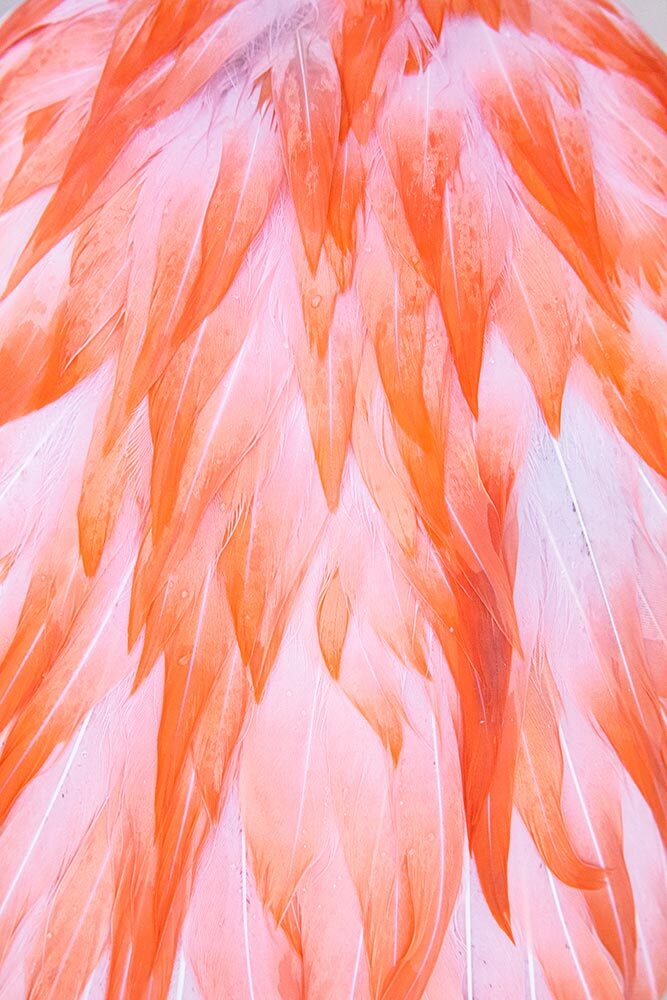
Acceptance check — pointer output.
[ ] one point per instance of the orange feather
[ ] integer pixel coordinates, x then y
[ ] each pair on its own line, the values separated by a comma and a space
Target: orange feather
333, 523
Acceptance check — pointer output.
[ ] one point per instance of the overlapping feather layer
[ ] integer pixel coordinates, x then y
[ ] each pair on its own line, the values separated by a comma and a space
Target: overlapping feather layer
333, 526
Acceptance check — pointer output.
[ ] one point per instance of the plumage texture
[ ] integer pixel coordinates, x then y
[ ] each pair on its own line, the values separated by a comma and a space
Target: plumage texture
333, 518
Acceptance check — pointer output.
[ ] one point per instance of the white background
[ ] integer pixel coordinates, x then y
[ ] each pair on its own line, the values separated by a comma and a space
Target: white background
652, 15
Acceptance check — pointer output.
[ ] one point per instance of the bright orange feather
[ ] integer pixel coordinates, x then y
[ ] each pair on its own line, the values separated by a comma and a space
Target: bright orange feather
333, 519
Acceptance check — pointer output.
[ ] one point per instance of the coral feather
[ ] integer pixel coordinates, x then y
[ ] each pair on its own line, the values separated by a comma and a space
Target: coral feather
333, 518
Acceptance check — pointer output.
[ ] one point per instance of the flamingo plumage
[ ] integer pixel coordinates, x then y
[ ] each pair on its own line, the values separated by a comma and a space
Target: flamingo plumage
333, 518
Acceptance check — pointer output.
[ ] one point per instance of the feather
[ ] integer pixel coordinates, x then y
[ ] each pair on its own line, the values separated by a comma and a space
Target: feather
328, 385
364, 33
307, 98
333, 616
332, 513
539, 783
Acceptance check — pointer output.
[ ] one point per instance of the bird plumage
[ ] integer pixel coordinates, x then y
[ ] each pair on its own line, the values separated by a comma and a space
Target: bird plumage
333, 520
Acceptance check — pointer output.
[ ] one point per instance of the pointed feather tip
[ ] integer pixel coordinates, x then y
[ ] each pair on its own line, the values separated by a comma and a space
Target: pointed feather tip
13, 783
330, 480
259, 671
503, 918
504, 921
312, 246
92, 540
9, 559
434, 12
496, 894
610, 299
34, 251
394, 744
12, 195
150, 654
17, 275
90, 550
332, 496
468, 371
552, 411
